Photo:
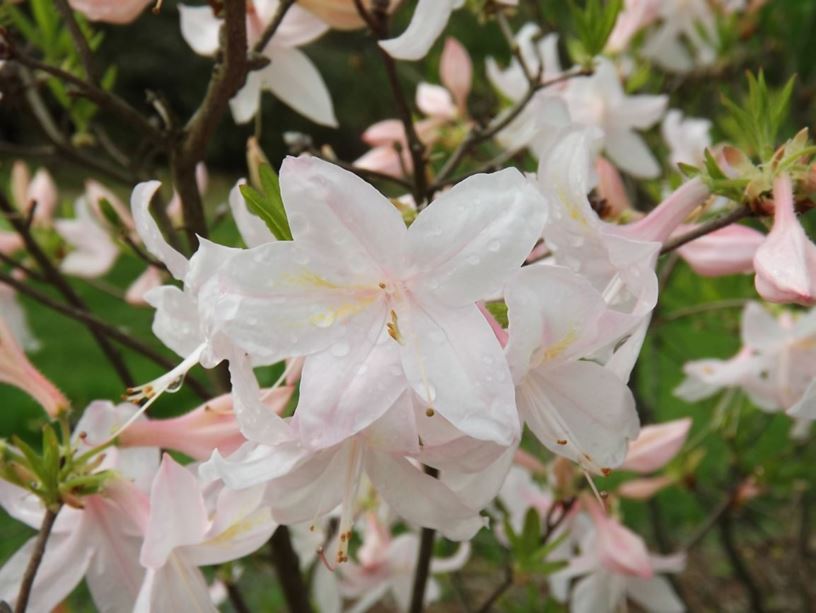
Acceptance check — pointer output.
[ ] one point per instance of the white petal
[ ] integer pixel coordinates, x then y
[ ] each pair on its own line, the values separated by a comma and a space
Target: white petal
420, 498
294, 80
298, 28
176, 320
149, 232
455, 364
177, 586
344, 223
200, 27
273, 306
466, 243
429, 19
655, 594
352, 384
245, 104
631, 154
585, 405
258, 422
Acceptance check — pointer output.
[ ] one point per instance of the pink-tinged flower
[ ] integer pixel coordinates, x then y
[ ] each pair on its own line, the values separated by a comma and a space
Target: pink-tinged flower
93, 252
636, 15
39, 191
303, 485
17, 370
774, 368
656, 446
727, 251
539, 53
577, 408
385, 566
687, 138
108, 11
290, 75
10, 242
189, 527
389, 149
99, 541
600, 101
375, 306
687, 35
429, 19
785, 263
614, 565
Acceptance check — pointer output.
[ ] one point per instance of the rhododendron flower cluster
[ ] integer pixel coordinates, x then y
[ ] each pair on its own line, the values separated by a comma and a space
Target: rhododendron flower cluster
431, 343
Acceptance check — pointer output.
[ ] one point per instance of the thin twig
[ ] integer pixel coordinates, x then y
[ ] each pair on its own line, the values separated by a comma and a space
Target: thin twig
80, 42
236, 598
102, 98
36, 558
101, 327
479, 135
423, 565
287, 567
706, 228
55, 277
738, 565
273, 26
378, 22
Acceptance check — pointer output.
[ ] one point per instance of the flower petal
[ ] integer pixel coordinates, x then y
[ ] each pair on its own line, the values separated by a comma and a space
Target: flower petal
294, 80
251, 227
466, 243
200, 28
456, 71
429, 19
149, 232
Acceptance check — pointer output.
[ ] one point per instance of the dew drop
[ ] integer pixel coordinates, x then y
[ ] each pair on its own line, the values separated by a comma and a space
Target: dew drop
494, 246
175, 385
473, 259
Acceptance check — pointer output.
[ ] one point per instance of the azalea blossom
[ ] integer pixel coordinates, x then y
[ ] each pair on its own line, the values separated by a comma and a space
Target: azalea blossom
99, 541
576, 408
15, 319
39, 193
686, 36
656, 445
385, 566
614, 565
190, 526
785, 263
376, 307
290, 75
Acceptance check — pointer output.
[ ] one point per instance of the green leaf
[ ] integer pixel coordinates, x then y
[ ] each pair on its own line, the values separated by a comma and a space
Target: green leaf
268, 205
531, 533
33, 459
592, 25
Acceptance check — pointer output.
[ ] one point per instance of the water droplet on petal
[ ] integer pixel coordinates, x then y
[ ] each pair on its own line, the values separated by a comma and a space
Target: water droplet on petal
473, 259
175, 385
494, 246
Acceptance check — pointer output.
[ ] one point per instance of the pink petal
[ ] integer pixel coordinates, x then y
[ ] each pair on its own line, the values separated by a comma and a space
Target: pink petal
435, 101
456, 71
656, 445
727, 251
619, 549
643, 489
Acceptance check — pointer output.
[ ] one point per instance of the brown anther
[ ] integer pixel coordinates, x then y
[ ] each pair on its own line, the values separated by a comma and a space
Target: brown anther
606, 472
381, 284
312, 528
342, 537
83, 435
587, 457
207, 407
604, 494
430, 412
561, 441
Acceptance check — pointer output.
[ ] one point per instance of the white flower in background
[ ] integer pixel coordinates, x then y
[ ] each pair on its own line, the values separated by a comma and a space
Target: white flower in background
687, 138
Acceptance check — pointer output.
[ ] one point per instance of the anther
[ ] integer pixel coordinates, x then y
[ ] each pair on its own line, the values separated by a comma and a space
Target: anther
430, 412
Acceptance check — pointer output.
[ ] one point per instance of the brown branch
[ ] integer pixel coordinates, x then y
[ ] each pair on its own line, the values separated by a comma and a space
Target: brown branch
101, 327
479, 135
273, 26
706, 228
58, 139
738, 565
102, 98
54, 276
36, 558
80, 42
228, 76
423, 565
287, 567
378, 22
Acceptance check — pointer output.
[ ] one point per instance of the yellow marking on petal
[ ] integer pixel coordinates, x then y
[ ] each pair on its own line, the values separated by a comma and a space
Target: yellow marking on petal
551, 352
247, 524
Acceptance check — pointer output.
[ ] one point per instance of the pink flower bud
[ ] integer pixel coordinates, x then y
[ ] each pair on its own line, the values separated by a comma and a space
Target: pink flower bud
727, 251
785, 263
17, 370
656, 445
644, 489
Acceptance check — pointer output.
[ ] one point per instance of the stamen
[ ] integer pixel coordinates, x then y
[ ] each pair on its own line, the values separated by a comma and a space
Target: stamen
601, 498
